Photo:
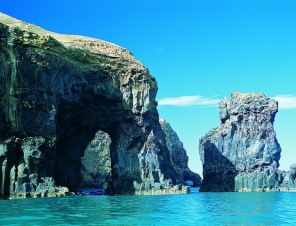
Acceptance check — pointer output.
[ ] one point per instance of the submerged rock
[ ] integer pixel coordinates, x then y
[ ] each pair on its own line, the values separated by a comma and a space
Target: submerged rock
242, 154
56, 92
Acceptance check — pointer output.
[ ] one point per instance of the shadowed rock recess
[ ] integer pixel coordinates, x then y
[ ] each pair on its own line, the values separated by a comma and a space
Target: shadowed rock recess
242, 154
56, 93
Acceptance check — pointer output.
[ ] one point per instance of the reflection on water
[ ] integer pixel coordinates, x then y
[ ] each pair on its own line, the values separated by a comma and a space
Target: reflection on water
194, 209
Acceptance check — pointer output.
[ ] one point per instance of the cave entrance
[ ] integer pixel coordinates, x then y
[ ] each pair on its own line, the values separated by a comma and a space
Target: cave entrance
83, 151
189, 183
95, 171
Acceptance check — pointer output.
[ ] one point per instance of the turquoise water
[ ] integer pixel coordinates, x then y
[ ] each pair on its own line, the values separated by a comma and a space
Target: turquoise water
193, 209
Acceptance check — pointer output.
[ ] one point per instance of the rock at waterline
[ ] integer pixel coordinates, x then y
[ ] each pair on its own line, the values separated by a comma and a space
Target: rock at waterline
178, 155
243, 154
96, 163
56, 92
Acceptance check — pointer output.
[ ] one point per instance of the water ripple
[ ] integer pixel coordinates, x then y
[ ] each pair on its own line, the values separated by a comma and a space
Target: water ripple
194, 209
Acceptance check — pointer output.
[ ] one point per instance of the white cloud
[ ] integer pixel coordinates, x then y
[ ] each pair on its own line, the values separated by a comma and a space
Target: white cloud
186, 101
286, 101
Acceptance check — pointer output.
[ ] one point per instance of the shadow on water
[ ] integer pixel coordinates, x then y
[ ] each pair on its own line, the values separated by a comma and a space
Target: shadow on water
218, 172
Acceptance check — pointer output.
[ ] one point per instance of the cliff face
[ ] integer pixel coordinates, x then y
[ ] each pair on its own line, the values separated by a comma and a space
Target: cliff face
56, 92
178, 155
242, 154
96, 163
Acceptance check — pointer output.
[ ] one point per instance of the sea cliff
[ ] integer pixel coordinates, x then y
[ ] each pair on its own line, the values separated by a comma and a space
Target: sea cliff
56, 92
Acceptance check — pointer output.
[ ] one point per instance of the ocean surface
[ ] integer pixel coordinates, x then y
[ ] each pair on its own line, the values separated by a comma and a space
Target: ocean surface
193, 209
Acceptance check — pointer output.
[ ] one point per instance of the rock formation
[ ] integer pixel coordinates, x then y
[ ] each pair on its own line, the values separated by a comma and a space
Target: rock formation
95, 169
242, 154
288, 179
56, 92
178, 155
96, 162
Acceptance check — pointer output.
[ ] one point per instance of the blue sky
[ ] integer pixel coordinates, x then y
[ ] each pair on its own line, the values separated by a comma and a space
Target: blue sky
199, 51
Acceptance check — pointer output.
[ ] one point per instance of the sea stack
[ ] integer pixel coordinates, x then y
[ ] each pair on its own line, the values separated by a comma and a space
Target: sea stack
56, 92
242, 154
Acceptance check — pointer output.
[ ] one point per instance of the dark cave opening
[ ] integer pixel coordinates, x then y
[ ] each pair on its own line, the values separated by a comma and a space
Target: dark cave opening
81, 125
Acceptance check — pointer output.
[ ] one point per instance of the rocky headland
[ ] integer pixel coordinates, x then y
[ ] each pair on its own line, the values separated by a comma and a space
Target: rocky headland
243, 154
57, 92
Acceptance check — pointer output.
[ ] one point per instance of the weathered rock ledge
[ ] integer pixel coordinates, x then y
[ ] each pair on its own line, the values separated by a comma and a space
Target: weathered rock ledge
56, 92
243, 154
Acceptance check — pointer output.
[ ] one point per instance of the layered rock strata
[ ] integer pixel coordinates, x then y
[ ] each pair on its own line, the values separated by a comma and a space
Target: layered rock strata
242, 154
56, 92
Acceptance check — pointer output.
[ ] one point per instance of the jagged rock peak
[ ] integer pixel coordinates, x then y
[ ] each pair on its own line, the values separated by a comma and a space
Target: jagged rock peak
178, 155
177, 152
247, 103
244, 142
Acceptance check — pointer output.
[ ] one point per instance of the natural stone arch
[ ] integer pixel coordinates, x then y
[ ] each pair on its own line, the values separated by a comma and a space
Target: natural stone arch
56, 92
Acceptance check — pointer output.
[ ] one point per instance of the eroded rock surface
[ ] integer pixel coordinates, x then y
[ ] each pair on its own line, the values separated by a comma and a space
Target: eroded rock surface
56, 92
288, 179
95, 169
242, 154
178, 155
96, 162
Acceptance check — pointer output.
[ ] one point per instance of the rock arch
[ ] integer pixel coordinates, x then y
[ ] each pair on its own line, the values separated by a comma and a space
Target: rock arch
57, 91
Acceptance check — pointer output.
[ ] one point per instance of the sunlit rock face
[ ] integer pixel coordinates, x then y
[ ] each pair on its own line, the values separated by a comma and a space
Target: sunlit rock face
178, 155
242, 154
96, 162
56, 92
95, 169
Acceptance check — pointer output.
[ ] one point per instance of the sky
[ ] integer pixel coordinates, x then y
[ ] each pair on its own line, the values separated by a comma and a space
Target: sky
199, 52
